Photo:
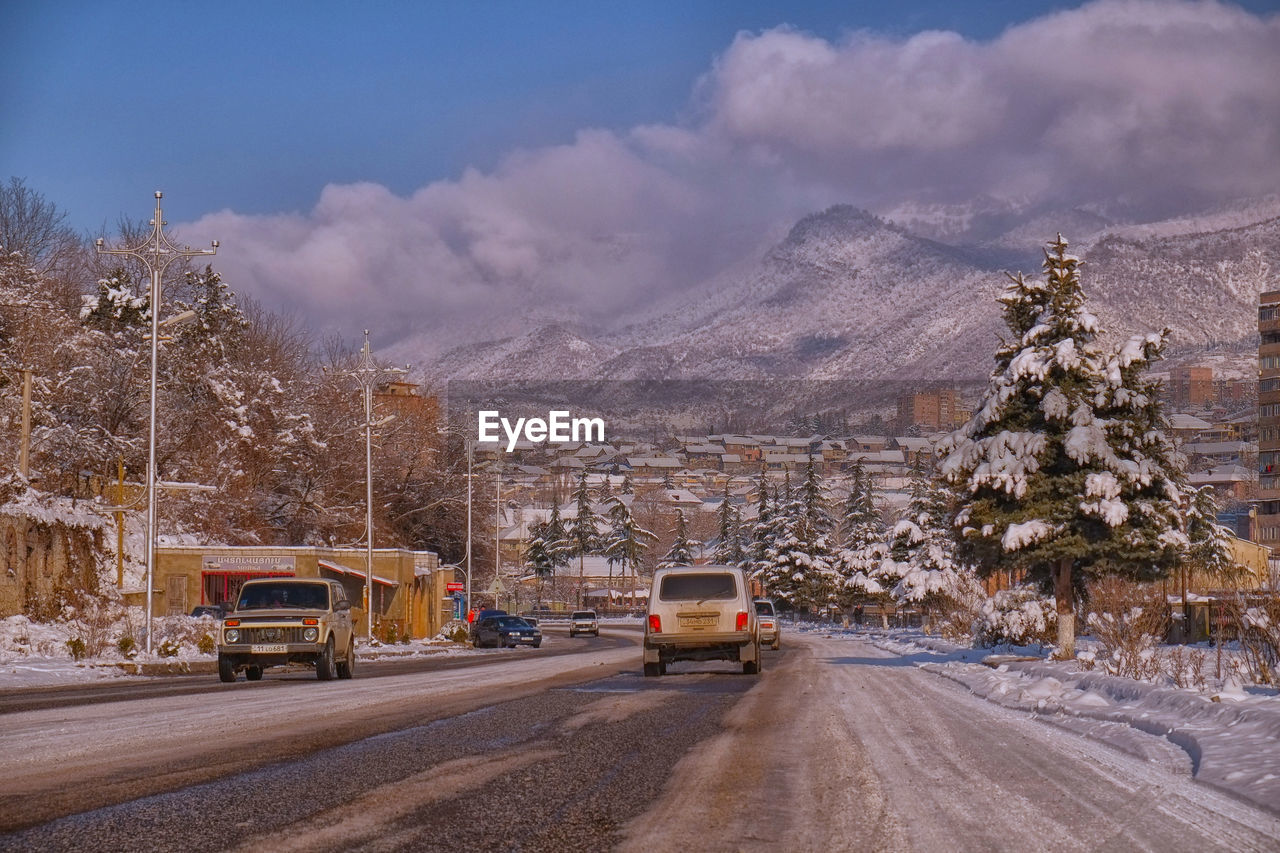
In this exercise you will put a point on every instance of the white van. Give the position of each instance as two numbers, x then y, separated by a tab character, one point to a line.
701	613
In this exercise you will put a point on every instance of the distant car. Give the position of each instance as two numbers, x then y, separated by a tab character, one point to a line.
770	630
507	632
532	620
584	622
213	611
280	621
701	613
482	615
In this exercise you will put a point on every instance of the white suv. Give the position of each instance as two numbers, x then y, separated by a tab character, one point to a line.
701	613
584	622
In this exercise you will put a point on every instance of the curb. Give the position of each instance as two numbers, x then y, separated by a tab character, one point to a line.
175	667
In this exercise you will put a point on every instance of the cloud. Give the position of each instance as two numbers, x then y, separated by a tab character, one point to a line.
1159	106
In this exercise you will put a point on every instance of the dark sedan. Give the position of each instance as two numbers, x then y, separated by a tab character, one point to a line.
506	631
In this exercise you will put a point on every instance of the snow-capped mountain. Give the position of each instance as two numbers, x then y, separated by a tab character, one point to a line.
849	295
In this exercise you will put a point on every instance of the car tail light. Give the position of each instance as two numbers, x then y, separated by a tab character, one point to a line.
310	621
741	624
655	623
231	623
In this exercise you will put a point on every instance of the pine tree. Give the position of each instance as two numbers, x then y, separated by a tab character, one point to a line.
1209	542
815	500
627	540
681	551
583	529
728	551
863	547
628	486
1059	472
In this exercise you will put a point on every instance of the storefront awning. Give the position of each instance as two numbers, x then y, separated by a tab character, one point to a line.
355	573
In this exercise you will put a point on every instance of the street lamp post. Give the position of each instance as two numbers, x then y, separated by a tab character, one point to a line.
468	549
156	252
369	373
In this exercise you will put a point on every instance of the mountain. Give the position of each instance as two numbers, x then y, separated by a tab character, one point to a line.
850	295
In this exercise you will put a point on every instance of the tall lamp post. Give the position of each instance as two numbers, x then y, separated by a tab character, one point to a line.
156	252
369	373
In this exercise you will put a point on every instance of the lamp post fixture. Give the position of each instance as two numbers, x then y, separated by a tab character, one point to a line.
156	252
369	373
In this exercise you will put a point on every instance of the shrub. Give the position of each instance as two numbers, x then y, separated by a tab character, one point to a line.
168	649
127	646
77	648
206	644
1128	620
1018	616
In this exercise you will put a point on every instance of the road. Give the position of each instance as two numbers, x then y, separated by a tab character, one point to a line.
837	746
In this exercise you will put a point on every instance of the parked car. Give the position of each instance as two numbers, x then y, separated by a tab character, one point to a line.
584	622
770	628
506	631
213	611
701	613
281	621
482	615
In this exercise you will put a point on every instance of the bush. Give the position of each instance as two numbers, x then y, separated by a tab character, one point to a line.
1017	617
77	648
1128	620
168	649
127	646
206	644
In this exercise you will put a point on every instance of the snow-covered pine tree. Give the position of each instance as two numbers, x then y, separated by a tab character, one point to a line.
921	566
626	541
863	539
583	529
728	550
681	551
628	485
1047	483
815	500
1209	548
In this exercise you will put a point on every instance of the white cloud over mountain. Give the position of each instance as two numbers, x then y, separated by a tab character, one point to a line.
1146	106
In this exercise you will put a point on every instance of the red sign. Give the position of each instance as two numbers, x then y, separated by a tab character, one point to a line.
455	586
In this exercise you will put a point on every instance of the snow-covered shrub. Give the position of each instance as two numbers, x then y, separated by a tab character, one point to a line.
1128	620
1185	667
1256	623
1018	616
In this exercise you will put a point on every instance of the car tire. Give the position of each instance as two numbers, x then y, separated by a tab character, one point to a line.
226	669
662	668
347	668
652	670
777	644
538	645
253	673
572	635
326	667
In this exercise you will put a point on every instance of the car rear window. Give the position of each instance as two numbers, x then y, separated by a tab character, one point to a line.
310	596
764	608
584	614
698	587
511	622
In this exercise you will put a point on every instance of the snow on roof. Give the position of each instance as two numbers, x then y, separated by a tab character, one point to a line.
1184	422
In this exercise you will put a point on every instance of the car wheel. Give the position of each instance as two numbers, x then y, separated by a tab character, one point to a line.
253	673
347	668
652	670
662	668
776	645
538	645
226	669
326	668
571	634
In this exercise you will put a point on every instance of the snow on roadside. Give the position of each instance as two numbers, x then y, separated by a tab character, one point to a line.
1232	737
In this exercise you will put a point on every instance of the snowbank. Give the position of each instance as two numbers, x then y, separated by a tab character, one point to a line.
1231	737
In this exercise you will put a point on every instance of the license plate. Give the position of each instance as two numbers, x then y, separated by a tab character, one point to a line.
269	650
697	621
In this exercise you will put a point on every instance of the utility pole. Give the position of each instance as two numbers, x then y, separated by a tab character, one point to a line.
156	252
468	549
368	373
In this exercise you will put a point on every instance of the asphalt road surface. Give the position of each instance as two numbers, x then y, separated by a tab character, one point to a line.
837	746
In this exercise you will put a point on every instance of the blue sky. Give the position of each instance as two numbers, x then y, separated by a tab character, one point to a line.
410	165
257	106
